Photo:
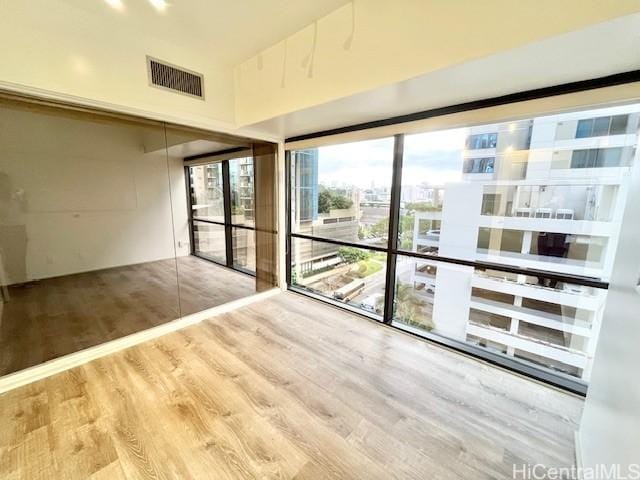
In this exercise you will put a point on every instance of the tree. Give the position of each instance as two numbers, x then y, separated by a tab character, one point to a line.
324	201
409	308
380	228
352	254
406	231
340	202
328	200
423	207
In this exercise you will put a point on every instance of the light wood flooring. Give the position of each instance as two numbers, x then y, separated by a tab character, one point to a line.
57	316
284	388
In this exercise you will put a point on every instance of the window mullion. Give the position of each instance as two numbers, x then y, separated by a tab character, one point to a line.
287	202
226	191
394	221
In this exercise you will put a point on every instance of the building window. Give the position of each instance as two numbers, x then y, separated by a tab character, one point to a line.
221	196
602	126
482	140
597	158
479	165
340	196
490	203
241	185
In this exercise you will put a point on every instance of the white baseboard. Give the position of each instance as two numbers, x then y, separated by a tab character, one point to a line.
66	362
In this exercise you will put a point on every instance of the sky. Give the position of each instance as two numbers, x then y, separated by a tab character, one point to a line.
434	157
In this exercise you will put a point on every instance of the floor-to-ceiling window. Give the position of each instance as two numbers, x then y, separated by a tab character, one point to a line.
340	216
222	214
495	238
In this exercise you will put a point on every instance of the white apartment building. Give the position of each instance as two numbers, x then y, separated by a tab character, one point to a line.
545	194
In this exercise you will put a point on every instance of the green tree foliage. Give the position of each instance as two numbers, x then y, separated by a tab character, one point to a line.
340	202
380	229
328	200
324	201
409	308
406	231
352	254
423	207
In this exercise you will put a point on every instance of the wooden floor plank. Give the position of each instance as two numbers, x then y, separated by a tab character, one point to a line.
284	388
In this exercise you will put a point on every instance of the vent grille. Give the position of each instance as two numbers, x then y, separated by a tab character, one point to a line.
176	79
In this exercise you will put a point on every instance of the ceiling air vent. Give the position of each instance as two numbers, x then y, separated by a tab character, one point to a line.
177	79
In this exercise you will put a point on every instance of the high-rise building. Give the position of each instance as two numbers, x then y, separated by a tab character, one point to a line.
545	194
334	223
306	191
242	187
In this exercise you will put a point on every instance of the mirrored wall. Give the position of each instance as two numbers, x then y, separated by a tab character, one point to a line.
98	235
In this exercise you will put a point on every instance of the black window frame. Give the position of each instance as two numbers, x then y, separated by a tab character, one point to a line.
393	250
227	223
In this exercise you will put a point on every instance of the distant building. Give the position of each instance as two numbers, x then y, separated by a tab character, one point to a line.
543	194
338	224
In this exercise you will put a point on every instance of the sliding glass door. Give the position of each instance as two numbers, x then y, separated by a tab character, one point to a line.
497	239
222	221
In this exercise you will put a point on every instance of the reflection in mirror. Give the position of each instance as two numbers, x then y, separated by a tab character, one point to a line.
86	239
215	221
108	228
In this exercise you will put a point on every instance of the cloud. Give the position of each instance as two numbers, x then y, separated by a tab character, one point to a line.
434	157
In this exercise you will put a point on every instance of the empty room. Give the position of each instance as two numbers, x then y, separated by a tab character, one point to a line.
319	239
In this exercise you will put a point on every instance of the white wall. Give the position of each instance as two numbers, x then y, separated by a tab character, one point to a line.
89	50
80	196
610	426
370	44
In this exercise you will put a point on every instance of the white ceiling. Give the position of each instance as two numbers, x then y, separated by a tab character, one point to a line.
231	31
600	50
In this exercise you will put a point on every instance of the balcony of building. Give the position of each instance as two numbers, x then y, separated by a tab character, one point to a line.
570	208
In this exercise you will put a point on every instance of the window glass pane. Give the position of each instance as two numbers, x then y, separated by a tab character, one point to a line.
609	157
580	159
355	276
584	128
209	241
343	191
537	320
241	183
533	203
244	249
601	126
619	124
207	199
